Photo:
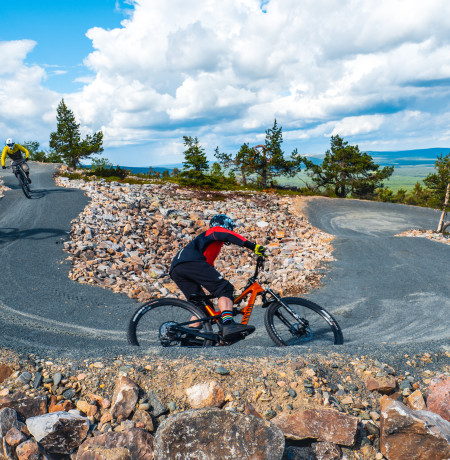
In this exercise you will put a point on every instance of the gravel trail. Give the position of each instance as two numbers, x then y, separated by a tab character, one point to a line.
390	294
386	290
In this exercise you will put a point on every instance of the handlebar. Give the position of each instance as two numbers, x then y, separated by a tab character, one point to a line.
259	266
18	163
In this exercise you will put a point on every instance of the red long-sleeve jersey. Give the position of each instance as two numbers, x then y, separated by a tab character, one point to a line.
207	246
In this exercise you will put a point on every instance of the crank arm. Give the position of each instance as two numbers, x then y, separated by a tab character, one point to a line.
193	332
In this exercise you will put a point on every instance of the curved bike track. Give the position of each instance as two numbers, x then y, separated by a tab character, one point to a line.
382	289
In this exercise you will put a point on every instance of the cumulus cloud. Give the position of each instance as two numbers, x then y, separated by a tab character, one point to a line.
223	70
26	107
226	69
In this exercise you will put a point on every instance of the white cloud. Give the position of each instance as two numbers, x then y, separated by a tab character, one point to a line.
350	126
223	70
27	109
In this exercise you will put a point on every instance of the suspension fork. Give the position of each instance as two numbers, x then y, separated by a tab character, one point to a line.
304	322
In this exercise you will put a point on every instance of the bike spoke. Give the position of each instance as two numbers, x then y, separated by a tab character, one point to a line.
166	322
302	321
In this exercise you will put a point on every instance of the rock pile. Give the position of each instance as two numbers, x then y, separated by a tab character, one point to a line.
126	237
430	234
258	408
3	188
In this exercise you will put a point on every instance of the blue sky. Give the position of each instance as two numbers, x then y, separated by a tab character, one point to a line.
59	27
147	72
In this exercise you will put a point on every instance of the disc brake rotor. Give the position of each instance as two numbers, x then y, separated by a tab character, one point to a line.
304	334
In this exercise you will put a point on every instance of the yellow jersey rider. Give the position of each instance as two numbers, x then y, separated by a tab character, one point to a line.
14	151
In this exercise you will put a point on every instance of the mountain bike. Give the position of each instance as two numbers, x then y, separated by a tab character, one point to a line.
288	320
22	177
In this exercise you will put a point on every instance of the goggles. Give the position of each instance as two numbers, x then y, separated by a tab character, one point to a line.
10	145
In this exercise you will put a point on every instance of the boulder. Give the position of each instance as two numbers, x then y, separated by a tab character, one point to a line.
143	419
28	450
25	407
124	398
14	437
439	399
212	434
54	406
157	407
406	434
326	451
8	420
321	424
5	372
383	385
105	453
250	410
208	394
59	432
138	442
415	401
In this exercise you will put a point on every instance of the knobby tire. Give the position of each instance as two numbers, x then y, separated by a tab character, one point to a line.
24	184
143	328
279	323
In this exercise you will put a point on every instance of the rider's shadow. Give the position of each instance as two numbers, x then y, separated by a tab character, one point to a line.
10	234
37	194
41	193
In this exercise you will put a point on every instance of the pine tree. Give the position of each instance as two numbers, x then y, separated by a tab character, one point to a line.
243	162
194	156
268	160
438	184
347	170
66	141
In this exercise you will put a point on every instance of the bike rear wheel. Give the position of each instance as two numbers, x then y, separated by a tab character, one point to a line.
152	323
285	330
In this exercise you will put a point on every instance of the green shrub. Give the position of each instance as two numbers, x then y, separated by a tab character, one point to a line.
400	196
109	172
193	178
385	194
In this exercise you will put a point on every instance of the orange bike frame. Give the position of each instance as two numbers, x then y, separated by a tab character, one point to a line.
253	290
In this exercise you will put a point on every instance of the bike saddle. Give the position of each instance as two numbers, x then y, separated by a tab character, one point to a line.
200	297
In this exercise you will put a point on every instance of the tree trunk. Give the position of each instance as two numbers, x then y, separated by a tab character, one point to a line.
444	211
244	179
340	191
264	177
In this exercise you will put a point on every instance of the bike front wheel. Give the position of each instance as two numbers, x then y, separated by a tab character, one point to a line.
302	322
24	184
153	323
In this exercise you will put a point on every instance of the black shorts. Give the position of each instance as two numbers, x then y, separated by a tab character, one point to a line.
190	277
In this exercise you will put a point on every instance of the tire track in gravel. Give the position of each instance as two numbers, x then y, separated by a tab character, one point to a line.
40	307
384	289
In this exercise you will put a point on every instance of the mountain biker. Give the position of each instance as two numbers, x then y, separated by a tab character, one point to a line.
193	268
14	151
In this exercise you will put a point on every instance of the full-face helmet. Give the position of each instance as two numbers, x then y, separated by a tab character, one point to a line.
10	143
221	220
